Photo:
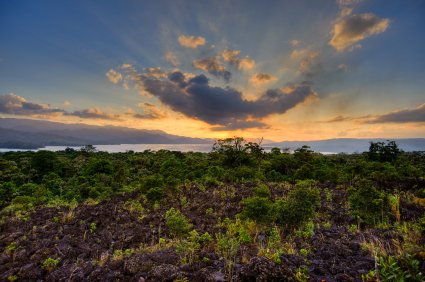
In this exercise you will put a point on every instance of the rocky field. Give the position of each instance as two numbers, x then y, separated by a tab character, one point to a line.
127	239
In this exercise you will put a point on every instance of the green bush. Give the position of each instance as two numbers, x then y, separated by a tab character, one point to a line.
368	203
212	182
155	194
177	223
399	269
173	185
420	193
150	182
261	191
257	209
299	207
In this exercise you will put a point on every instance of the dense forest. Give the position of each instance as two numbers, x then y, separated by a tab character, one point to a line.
233	214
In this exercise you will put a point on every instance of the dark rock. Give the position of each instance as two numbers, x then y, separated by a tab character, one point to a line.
165	257
138	263
30	271
165	273
262	269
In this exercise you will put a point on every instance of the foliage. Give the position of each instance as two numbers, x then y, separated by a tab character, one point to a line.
257	209
50	263
399	269
93	227
299	207
261	191
150	182
368	203
177	223
155	194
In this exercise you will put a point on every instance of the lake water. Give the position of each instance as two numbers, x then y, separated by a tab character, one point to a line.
205	148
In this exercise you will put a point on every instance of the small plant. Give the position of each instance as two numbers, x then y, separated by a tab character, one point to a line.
129	252
187	248
353	228
93	227
302	274
305	252
369	277
209	211
50	263
11	248
117	255
206	259
177	222
185	202
399	269
12	278
56	219
329	197
327	225
305	232
244	236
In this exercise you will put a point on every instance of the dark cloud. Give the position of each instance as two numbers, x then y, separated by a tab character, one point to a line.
312	66
15	105
213	66
402	116
339	118
222	106
94	113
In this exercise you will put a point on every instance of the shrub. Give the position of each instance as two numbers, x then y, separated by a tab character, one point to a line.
50	263
177	223
261	191
212	182
299	207
150	182
420	193
155	194
257	209
173	185
368	203
400	268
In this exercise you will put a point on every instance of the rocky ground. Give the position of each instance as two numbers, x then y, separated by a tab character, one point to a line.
86	253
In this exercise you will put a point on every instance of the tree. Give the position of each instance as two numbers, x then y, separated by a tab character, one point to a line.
45	162
256	151
378	151
233	149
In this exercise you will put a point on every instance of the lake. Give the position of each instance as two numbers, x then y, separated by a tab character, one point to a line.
205	148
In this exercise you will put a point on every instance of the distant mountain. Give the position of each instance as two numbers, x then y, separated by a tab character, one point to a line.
14	139
97	135
349	145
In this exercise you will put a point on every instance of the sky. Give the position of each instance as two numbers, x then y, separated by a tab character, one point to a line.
282	70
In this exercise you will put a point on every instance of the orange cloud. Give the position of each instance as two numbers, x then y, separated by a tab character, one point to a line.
261	78
191	41
232	58
114	76
172	58
355	28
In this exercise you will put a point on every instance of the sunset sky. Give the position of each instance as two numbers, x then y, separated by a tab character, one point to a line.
285	70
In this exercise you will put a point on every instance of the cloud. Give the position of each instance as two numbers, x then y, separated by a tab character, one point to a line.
348	2
15	105
344	12
114	76
125	66
343	66
233	59
151	72
338	118
191	41
355	28
240	125
172	58
224	106
311	66
66	103
298	53
213	66
294	42
151	112
95	113
400	116
351	49
261	78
